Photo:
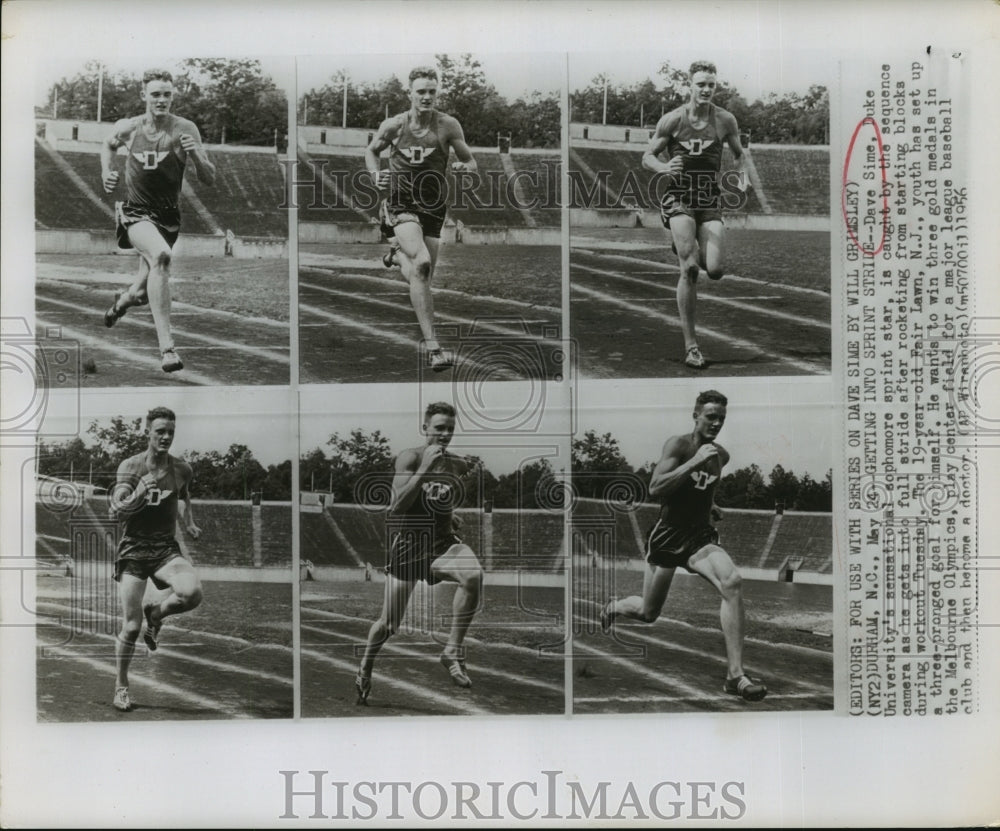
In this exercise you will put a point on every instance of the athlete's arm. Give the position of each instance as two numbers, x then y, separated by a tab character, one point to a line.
184	503
716	512
658	143
411	467
670	472
119	135
383	138
190	141
733	140
456	138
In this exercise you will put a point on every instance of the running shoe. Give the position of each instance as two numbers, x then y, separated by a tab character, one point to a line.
121	700
113	315
152	630
363	687
456	669
171	360
746	688
440	360
607	617
694	359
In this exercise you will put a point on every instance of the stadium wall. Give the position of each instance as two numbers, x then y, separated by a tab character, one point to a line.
334	574
72	241
633	218
340	232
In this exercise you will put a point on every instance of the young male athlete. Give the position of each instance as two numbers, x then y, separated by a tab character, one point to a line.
146	501
159	144
684	481
416	201
424	545
693	135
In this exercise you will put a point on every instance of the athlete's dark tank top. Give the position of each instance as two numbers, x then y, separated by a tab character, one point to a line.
156	519
153	173
701	149
422	160
691	503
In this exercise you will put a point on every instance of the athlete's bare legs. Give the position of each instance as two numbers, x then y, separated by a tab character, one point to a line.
459	565
417	256
715	565
146	239
396	599
647	608
130	592
185	589
683	230
711	236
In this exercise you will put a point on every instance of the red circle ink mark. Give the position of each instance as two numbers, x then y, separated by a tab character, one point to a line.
885	190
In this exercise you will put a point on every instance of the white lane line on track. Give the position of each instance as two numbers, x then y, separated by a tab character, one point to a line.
177	304
711	298
736	278
388	334
673	322
630	633
415	690
168	627
130	356
794	647
476	323
693	693
401	283
476	668
677	699
208	662
472	639
257	351
108	668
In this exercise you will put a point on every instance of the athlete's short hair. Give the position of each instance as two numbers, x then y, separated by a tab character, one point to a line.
159	412
709	397
438	408
702	66
423	72
156	75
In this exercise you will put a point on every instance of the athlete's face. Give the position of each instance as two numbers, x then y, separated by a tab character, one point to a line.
702	87
708	421
423	94
161	435
158	95
440	429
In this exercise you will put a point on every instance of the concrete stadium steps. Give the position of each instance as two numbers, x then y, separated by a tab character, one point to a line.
276	535
754	539
248	189
543	171
805	536
485	205
522	540
797	179
59	201
226	538
331	204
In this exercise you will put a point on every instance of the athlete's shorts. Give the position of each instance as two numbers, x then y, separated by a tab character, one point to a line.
431	224
701	206
414	549
143	559
670	547
166	220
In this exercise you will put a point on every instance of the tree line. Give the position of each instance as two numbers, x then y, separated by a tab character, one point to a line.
601	471
230	100
235	474
358	468
533	120
791	118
